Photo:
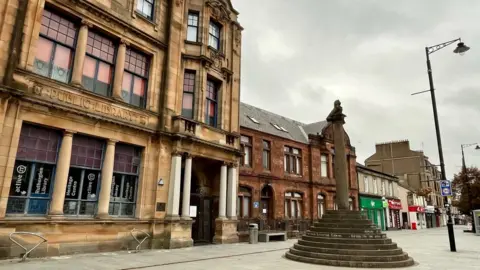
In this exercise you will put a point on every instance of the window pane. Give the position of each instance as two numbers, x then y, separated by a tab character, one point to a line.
43	56
298	165
41	181
147	10
90	184
136	62
192	33
129	184
187	105
324	166
266	159
292	208
16	205
100	47
245	139
116	188
286	208
238	206
61	64
285	162
87	208
20	179
246	206
138	95
73	183
140	5
102	84
126	86
193	19
127	209
247	156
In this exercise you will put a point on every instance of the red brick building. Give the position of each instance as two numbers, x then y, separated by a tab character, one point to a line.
286	175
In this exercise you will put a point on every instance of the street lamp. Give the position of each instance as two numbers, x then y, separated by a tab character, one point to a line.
464	169
461	49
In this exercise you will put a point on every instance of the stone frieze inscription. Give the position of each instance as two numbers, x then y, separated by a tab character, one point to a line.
91	105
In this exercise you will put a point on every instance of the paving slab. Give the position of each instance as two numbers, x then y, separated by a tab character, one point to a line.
429	248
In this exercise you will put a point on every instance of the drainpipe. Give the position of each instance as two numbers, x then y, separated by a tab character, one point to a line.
15	42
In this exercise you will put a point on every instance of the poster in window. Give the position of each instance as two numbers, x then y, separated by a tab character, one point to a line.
129	188
21	175
73	183
41	180
90	185
115	192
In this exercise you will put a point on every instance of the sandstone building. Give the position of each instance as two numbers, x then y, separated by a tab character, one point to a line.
286	175
119	114
415	170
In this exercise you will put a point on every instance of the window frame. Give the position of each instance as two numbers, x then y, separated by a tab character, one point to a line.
185	92
321	204
135	74
266	154
140	12
246	145
290	158
211	36
323	171
375	187
97	64
241	197
209	101
365	183
191	26
56	43
295	202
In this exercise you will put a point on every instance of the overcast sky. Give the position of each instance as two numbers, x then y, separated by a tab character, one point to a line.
299	56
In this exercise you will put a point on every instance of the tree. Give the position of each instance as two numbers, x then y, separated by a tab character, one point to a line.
466	187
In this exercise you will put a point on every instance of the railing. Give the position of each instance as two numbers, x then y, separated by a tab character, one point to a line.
140	242
289	225
27	251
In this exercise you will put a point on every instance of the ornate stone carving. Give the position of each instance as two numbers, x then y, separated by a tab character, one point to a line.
217	59
179	2
238	37
219	11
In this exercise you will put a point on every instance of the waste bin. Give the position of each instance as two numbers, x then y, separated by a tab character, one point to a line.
476	221
253	233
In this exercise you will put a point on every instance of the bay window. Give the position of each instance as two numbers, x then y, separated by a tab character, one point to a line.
125	180
98	66
293	205
55	47
33	172
212	106
246	147
135	78
292	160
188	94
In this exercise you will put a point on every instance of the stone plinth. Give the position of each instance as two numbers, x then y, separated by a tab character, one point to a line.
225	231
348	239
178	234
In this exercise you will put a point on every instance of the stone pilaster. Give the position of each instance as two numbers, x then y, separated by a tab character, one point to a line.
61	175
119	69
232	193
222	203
80	53
106	184
174	186
187	178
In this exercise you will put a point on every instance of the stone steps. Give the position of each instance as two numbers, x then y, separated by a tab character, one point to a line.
348	245
375	258
347	235
343	225
342	263
345	220
343	216
387	252
346	240
372	229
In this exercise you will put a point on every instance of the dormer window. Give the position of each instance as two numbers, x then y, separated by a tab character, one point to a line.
283	129
253	119
277	126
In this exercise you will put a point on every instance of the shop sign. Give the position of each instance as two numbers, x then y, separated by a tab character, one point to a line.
415	208
371	203
430	209
394	204
385	204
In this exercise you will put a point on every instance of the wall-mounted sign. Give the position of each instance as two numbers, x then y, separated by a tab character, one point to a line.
256	204
193	211
395	204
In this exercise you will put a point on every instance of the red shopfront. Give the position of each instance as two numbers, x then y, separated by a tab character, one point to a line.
395	206
417	217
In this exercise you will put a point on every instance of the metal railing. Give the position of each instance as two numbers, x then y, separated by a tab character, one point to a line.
140	242
300	225
27	251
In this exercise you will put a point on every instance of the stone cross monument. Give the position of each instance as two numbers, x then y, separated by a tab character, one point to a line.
337	118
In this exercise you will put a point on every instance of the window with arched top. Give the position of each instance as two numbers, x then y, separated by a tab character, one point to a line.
293	204
244	200
321	206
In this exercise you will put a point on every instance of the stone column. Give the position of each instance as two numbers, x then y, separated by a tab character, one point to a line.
80	54
119	67
106	183
337	118
187	178
174	186
222	203
61	175
232	193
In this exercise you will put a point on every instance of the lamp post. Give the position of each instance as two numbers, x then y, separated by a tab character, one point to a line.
461	49
464	169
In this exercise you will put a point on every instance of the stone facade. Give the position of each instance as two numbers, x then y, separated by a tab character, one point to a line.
268	186
96	137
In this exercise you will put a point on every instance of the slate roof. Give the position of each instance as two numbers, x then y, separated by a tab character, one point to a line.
296	131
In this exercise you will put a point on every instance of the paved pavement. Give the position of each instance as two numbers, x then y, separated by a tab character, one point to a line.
429	248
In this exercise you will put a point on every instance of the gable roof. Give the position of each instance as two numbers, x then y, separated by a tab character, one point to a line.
296	131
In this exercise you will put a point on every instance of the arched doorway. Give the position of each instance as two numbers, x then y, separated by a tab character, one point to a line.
266	202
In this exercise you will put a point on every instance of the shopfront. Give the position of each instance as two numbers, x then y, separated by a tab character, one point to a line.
374	208
430	216
394	207
417	217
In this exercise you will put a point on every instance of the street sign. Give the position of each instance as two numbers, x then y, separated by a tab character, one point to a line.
255	204
446	188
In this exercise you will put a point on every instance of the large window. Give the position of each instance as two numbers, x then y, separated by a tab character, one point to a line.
135	78
145	7
188	94
33	172
98	65
55	47
324	166
243	202
83	185
192	26
212	107
321	206
125	180
293	205
266	155
292	160
214	35
246	146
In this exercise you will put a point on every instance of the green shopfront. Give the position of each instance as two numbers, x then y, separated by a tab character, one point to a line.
374	208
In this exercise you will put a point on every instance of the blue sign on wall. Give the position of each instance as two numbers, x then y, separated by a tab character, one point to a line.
255	204
446	188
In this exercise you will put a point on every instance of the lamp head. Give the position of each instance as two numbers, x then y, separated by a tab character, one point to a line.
461	48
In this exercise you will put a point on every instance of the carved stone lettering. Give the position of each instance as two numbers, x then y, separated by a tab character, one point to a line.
91	105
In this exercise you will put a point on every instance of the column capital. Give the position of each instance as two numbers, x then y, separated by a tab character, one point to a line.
111	142
87	23
124	42
177	153
69	132
188	155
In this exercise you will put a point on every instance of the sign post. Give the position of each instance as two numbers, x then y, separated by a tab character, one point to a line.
446	188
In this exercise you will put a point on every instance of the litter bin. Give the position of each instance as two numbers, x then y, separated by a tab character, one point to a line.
253	233
476	221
